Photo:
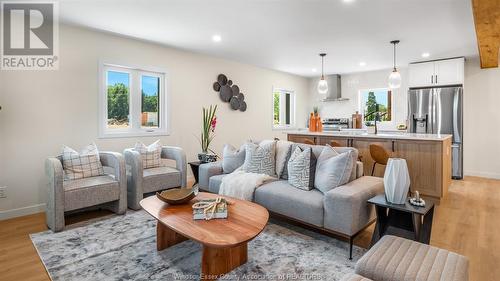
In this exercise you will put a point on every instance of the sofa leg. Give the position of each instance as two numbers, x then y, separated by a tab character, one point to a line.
350	247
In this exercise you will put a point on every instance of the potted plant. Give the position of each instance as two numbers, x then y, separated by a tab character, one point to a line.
207	134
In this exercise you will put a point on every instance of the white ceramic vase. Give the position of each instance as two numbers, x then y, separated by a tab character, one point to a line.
396	181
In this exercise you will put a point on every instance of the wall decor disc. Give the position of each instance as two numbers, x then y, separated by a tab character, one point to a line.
226	93
230	82
222	79
216	86
243	106
235	103
241	96
236	90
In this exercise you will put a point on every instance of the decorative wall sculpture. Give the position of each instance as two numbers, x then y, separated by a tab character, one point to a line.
229	92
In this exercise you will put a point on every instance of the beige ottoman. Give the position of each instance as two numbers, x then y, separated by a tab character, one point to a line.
398	259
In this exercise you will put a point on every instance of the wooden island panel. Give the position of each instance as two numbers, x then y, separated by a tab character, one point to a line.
429	161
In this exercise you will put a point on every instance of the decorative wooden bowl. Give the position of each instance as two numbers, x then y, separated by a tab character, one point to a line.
176	196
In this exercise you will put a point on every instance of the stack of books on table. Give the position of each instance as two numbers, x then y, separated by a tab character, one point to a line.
220	210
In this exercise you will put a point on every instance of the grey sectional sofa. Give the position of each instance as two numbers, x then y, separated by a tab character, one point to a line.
341	211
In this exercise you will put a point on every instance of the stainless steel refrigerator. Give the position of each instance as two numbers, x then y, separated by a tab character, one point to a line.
439	111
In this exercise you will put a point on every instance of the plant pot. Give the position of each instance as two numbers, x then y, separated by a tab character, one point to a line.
207	157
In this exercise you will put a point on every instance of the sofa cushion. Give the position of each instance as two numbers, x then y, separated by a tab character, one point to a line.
282	156
214	183
91	191
260	158
81	165
155	179
396	258
232	158
315	152
301	168
282	198
333	169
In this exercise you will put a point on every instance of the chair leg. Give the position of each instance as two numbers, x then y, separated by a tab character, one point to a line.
350	247
373	168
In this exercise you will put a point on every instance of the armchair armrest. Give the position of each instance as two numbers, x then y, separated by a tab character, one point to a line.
55	199
206	171
177	154
346	209
116	161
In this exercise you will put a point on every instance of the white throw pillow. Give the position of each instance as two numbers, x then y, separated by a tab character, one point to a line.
333	169
282	150
151	154
232	159
299	170
81	165
260	158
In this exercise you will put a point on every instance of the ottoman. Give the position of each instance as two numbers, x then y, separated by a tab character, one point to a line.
354	277
399	259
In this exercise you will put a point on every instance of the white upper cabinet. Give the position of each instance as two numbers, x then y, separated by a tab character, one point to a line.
437	73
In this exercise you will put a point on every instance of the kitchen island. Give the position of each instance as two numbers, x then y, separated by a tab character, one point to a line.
428	155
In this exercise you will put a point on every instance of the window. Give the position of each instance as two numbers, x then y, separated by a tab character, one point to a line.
375	100
132	102
283	109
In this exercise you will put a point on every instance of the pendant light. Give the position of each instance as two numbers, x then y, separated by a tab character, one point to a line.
395	76
322	84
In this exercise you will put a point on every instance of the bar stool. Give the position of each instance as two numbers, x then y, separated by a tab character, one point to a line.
335	144
308	141
379	155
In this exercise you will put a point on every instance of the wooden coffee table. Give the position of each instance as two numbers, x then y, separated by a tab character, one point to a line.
224	240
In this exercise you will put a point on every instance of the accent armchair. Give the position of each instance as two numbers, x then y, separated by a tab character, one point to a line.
108	190
145	181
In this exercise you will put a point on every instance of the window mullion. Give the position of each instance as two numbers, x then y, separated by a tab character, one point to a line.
135	101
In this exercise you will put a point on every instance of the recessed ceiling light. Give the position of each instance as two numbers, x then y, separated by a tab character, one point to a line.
362	63
425	55
216	38
314	70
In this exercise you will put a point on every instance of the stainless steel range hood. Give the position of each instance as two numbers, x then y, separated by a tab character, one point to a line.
334	89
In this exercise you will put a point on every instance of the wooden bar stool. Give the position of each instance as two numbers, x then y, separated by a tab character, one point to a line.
379	155
335	144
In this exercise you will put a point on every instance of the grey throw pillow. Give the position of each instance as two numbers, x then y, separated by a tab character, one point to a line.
282	155
284	174
260	158
232	159
333	169
299	168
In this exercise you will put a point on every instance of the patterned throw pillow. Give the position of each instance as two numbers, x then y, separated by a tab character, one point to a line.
260	158
151	154
81	165
333	169
299	168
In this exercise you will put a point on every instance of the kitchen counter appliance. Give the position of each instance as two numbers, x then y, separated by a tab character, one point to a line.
439	111
335	124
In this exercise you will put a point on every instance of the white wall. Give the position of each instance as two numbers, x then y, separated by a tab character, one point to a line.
350	85
481	120
42	110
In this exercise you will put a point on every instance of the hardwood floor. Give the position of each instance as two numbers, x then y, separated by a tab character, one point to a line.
467	222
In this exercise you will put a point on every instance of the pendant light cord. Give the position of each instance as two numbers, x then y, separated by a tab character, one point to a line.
394	55
322	72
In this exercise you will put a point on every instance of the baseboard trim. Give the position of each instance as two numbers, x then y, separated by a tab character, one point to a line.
483	174
24	211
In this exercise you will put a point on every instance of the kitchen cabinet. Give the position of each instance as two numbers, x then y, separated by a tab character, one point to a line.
437	73
303	138
328	140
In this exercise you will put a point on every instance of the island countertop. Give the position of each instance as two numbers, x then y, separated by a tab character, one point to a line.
381	135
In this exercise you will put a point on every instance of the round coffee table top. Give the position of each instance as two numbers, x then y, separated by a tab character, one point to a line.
245	220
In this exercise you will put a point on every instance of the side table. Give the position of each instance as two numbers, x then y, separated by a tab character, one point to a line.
195	166
404	219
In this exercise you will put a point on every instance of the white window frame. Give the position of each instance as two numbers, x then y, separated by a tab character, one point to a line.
135	100
292	124
361	105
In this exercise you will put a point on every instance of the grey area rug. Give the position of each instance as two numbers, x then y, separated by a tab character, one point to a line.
124	248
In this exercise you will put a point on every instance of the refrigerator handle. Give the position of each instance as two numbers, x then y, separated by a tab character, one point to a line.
456	132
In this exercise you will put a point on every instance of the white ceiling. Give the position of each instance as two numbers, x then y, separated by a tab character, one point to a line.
287	35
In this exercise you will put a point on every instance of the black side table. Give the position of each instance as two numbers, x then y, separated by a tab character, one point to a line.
195	166
406	220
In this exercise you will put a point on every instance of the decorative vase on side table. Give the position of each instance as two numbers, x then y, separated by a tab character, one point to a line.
396	181
207	135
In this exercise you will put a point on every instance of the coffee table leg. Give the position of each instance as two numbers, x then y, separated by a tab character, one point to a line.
165	237
218	261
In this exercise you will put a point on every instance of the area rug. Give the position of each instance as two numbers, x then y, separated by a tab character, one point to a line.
124	248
